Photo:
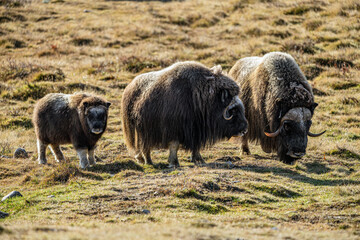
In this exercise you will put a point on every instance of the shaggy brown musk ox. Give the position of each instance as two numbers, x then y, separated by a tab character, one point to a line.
79	119
185	104
279	104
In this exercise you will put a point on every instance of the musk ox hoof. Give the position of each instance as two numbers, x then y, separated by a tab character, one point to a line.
139	158
173	165
42	161
84	164
199	162
246	151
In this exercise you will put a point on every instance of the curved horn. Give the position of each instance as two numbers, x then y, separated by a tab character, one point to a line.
277	132
225	113
316	134
234	102
274	134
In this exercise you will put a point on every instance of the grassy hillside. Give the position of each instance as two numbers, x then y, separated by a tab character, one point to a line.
99	46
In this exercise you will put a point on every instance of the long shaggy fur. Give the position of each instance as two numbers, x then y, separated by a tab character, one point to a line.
175	104
61	118
270	86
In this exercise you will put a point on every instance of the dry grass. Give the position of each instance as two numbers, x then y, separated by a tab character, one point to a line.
99	46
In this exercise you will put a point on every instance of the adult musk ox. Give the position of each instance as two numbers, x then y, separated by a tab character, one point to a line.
279	104
185	104
79	119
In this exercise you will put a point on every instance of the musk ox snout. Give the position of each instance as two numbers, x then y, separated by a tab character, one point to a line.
96	119
235	112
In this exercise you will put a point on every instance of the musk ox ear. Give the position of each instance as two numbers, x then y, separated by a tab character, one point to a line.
313	106
108	104
216	69
86	104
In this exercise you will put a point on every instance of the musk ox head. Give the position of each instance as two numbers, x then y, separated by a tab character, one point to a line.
292	133
95	113
227	110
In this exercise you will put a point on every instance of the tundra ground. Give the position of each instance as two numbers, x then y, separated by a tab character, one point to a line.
99	46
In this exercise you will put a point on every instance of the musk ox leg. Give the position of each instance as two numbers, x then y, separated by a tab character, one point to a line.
82	153
147	157
245	146
197	158
91	155
173	159
56	151
139	158
41	151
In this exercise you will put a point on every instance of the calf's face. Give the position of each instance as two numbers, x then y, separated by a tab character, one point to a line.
96	118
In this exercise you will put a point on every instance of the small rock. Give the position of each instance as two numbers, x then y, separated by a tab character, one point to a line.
46	1
51	196
20	153
274	228
11	195
3	214
230	164
86	11
146	211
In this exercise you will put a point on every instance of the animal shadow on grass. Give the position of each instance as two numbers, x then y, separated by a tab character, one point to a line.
298	176
317	168
116	167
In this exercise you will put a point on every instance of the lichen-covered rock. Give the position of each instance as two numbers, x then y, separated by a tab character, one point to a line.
11	195
3	214
20	153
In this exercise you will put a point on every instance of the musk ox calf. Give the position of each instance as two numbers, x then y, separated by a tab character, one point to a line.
279	104
185	104
79	119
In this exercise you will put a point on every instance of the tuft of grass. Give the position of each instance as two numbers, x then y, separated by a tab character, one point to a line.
190	193
343	153
82	41
136	65
13	3
207	208
184	20
12	43
116	167
343	85
298	10
57	75
350	101
17	122
302	9
302	47
311	71
27	91
312	25
333	62
13	69
275	190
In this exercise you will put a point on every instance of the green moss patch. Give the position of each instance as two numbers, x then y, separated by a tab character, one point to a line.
17	122
56	76
275	190
344	153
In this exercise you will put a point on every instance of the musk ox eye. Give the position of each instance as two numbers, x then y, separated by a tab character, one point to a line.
224	95
287	126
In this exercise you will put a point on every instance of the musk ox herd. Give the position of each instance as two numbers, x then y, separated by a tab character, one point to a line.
266	100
